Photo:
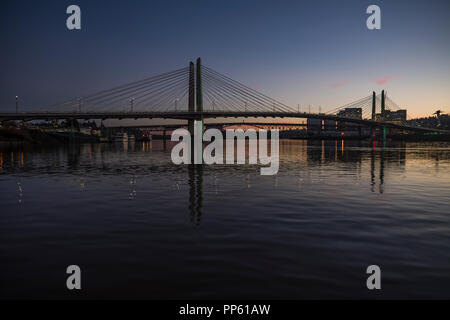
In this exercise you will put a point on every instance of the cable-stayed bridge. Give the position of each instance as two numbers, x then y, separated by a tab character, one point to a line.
197	93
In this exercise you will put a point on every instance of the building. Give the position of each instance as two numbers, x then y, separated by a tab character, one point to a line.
392	116
353	113
329	125
314	126
395	116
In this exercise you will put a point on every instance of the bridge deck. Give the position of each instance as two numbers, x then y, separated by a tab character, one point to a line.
185	115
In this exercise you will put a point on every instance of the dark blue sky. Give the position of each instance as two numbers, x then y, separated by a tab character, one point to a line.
307	52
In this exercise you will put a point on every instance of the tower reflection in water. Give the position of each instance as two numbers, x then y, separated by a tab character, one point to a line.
320	152
195	173
372	171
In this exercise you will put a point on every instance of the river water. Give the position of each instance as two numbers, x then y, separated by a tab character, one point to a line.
141	227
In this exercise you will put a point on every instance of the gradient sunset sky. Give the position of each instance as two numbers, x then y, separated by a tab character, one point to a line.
299	52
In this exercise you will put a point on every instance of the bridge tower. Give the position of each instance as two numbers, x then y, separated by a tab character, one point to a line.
374	105
191	105
199	95
198	149
195	100
374	110
383	112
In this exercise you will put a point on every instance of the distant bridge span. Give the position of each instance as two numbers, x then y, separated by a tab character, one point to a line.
173	126
189	115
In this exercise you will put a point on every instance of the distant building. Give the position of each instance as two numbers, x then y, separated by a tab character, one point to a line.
314	126
396	116
393	116
329	125
353	113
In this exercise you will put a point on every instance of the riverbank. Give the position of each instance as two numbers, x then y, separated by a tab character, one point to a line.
37	136
408	138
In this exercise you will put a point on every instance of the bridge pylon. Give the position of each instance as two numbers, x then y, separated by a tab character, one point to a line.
191	105
383	112
374	110
195	100
374	105
199	96
199	99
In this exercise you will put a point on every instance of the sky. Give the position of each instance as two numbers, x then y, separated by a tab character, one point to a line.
317	53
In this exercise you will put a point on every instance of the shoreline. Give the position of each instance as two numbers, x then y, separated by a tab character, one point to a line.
36	136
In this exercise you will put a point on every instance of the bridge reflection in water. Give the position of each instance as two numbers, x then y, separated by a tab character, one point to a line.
326	151
195	172
309	160
322	152
128	210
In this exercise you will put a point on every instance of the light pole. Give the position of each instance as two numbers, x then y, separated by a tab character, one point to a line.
132	103
17	104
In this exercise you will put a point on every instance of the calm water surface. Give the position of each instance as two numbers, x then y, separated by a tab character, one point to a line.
141	227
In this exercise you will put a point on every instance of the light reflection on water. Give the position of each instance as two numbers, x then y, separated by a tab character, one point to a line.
140	226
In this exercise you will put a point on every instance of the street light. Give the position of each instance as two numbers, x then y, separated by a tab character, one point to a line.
17	104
